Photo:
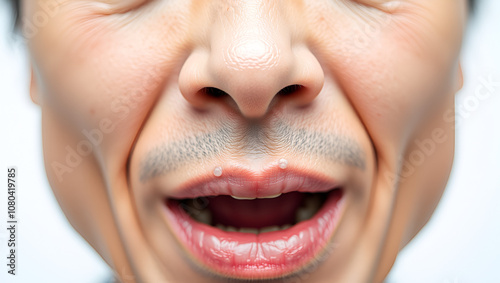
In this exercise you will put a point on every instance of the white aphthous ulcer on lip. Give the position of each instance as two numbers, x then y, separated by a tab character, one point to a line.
218	171
283	163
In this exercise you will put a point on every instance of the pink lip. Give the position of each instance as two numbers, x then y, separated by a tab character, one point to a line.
245	183
256	256
262	256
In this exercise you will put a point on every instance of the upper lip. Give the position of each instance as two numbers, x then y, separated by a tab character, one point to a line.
244	183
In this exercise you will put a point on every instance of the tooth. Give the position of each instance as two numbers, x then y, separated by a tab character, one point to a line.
269	229
231	229
204	216
284	227
220	226
249	230
242	198
273	196
303	214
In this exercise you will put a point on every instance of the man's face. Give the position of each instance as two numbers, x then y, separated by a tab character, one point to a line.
154	112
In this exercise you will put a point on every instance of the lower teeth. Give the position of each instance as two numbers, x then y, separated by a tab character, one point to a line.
310	206
253	230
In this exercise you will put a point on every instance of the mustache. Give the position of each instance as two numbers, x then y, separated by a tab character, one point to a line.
173	155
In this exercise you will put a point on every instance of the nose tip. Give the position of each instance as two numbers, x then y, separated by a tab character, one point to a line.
251	72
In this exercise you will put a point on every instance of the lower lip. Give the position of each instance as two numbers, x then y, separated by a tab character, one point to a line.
263	256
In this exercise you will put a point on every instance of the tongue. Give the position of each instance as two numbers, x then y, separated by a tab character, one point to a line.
257	213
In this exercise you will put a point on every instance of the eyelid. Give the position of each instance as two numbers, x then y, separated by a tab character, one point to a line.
388	6
119	6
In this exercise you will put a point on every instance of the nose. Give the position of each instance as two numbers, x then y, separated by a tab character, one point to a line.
250	60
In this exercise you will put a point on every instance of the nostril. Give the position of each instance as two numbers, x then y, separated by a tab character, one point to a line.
291	89
214	92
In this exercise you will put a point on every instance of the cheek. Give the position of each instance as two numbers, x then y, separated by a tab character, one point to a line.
394	68
109	69
394	91
107	95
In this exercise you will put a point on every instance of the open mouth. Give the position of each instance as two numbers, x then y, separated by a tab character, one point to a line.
257	216
259	235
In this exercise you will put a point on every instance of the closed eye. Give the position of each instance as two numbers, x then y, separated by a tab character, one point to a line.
383	5
120	6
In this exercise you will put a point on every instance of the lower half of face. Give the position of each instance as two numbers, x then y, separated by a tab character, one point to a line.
210	141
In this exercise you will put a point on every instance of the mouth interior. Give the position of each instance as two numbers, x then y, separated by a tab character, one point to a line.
256	215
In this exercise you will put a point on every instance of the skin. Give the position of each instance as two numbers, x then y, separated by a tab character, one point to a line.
375	110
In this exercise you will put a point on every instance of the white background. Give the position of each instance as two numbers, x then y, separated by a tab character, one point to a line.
461	243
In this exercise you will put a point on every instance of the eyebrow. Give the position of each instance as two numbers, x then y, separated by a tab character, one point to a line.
15	4
173	155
